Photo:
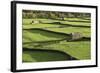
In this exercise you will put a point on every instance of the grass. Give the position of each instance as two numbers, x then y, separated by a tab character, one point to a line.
39	39
28	21
84	31
78	19
79	50
38	35
77	23
39	26
42	56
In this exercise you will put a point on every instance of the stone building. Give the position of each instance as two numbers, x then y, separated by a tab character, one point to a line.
35	22
76	36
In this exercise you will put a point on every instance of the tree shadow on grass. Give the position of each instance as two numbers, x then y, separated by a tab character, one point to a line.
42	55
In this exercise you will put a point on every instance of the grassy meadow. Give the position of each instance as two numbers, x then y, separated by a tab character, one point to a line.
48	39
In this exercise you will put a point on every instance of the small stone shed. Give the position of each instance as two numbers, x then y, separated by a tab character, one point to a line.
76	35
35	22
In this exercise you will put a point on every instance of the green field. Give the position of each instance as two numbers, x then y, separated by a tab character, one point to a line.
44	55
52	35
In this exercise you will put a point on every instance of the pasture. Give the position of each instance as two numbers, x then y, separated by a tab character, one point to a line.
51	39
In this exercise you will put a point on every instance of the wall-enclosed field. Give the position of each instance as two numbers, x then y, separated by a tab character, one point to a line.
47	36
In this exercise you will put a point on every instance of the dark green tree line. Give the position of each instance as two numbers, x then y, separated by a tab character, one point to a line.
53	15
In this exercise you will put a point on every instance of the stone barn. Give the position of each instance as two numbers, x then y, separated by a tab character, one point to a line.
35	22
76	36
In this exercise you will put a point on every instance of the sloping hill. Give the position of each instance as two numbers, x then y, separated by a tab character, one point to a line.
48	40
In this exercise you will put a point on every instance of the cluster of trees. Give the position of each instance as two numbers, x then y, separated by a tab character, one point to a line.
53	14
